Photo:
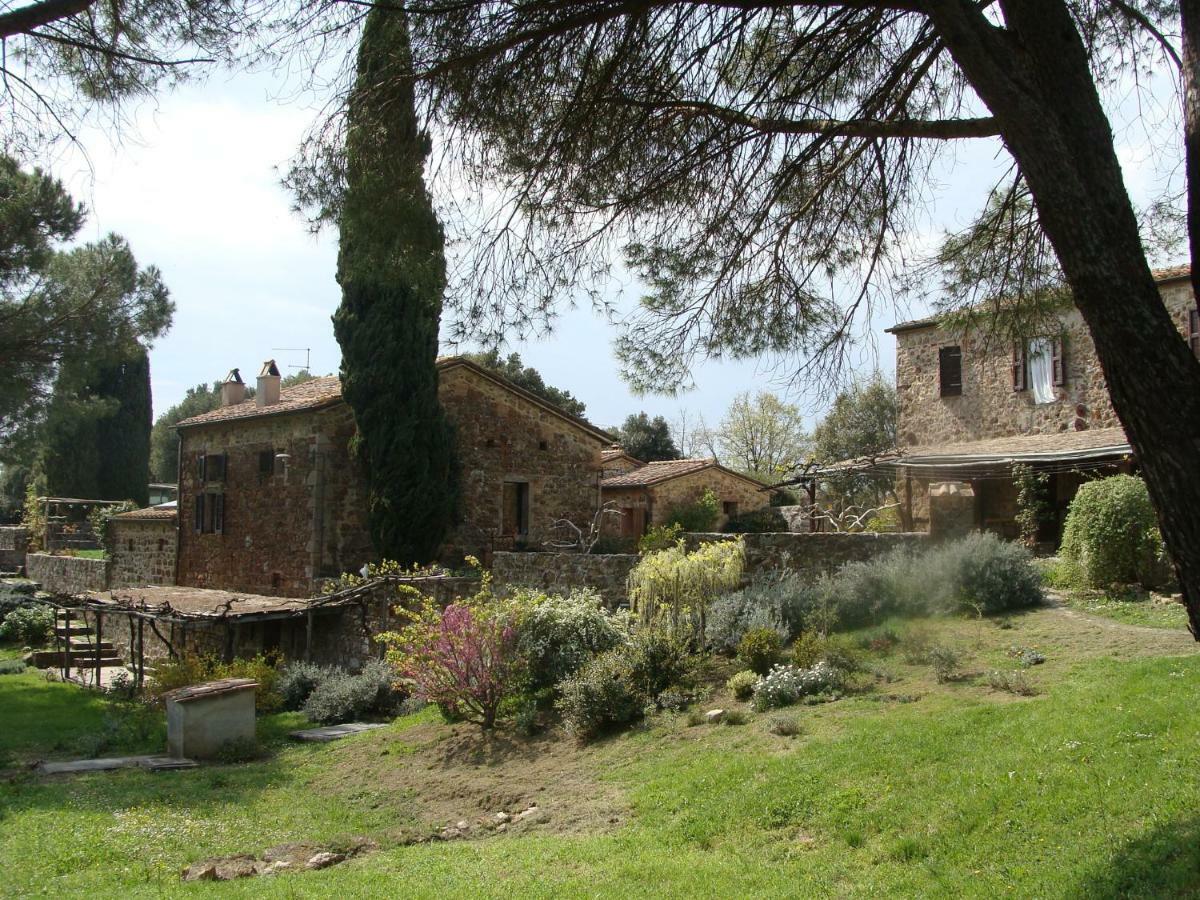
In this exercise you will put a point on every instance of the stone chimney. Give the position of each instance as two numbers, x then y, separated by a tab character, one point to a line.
233	389
268	385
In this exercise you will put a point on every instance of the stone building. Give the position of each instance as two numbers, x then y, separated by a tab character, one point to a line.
972	406
141	547
271	500
646	495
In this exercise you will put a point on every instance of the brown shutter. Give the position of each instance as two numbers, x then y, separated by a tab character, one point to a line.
199	518
218	513
950	371
201	467
1019	367
1194	331
1057	364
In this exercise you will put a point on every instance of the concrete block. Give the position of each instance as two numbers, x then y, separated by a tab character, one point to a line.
203	718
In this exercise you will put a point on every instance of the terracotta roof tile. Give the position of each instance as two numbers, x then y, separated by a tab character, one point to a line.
1026	445
150	513
311	394
665	470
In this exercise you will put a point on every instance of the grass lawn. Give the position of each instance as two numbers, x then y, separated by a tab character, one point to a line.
903	787
1151	611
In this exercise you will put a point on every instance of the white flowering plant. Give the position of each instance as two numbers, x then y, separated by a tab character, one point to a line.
785	685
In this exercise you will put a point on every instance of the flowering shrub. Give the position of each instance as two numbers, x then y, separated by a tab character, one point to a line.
464	658
785	685
600	696
556	636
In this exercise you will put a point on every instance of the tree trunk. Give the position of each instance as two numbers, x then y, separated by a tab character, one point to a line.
1034	76
1189	13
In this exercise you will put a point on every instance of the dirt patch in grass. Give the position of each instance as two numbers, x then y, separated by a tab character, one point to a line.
450	774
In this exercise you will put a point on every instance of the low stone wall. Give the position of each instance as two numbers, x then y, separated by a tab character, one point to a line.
142	551
812	553
14	543
561	572
67	575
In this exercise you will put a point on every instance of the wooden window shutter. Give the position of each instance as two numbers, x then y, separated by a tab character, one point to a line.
201	467
950	371
1058	365
199	514
1194	331
1019	367
218	513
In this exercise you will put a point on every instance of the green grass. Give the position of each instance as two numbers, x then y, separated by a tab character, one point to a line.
89	554
1148	611
1088	789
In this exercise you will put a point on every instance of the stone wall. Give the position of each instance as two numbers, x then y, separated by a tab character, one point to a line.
142	551
67	575
988	406
812	554
562	572
503	437
286	527
14	543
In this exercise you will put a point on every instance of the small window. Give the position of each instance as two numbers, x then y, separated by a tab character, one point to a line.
210	513
1194	331
543	445
729	508
162	544
489	443
266	462
950	371
199	514
129	545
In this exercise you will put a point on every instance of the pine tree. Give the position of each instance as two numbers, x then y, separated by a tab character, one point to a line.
392	270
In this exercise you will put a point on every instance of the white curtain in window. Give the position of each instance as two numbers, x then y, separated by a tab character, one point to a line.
1041	371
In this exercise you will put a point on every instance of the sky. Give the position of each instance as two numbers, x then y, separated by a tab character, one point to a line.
194	185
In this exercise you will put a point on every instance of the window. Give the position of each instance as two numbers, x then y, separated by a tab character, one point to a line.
215	467
515	514
266	462
1039	366
729	508
201	467
1194	331
950	371
633	521
543	445
210	514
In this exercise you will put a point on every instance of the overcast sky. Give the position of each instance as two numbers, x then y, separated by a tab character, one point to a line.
194	186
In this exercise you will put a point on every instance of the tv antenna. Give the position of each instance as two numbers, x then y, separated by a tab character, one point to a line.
307	351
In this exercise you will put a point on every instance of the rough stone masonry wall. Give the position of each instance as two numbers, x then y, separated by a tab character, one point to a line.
283	530
563	572
67	575
501	436
142	551
989	407
14	543
812	554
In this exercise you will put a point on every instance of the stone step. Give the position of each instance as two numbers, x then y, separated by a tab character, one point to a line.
88	645
53	659
65	631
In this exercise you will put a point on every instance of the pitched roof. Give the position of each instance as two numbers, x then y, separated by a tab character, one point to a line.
326	390
664	470
1161	276
149	514
315	393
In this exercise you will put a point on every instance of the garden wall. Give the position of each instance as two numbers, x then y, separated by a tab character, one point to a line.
142	551
14	542
67	575
812	553
561	572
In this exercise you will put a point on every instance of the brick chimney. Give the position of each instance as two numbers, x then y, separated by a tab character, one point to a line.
233	389
268	385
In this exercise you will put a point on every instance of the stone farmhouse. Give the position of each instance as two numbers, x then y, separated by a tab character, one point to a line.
970	409
646	494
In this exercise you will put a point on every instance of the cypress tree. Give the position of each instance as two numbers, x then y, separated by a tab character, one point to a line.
123	436
392	271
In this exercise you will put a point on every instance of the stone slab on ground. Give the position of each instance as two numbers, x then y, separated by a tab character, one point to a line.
333	732
153	763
